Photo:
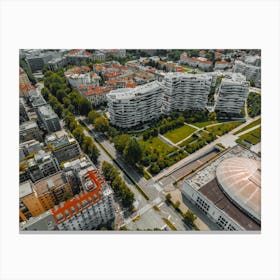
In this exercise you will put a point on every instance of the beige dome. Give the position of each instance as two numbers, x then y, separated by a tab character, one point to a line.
240	179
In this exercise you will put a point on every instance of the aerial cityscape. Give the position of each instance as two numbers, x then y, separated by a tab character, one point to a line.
140	140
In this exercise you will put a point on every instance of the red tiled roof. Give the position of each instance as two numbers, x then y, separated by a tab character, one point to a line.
90	197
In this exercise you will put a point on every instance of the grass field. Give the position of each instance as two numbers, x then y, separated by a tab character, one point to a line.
155	144
180	133
253	137
203	124
252	124
223	128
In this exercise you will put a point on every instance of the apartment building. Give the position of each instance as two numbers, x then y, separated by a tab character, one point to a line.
129	107
251	72
29	203
90	209
23	78
197	62
42	165
185	91
29	147
23	117
52	190
48	118
232	94
28	131
37	61
57	62
95	95
63	146
81	76
76	57
72	170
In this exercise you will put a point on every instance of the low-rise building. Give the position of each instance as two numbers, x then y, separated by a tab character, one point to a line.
228	190
23	116
76	57
199	62
42	222
23	78
28	131
48	118
130	107
30	147
63	146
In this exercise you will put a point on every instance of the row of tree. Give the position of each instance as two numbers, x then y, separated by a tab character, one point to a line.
129	148
254	104
120	188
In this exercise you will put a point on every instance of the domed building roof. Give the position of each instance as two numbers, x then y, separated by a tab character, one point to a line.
240	179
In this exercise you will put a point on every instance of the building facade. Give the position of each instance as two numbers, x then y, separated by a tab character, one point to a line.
90	209
28	131
185	91
232	94
63	146
129	107
48	118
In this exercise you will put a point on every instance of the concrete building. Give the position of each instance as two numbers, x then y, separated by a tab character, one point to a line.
88	210
129	107
95	95
28	131
63	146
29	204
222	65
78	76
76	57
228	190
48	118
52	190
185	91
57	62
23	117
42	165
30	147
23	78
232	94
251	72
72	171
36	62
196	62
42	222
36	99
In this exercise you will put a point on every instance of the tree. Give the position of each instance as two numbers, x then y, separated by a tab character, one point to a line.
116	184
189	217
93	152
133	151
177	204
127	196
168	197
78	133
110	173
87	143
212	116
84	106
101	124
92	115
120	142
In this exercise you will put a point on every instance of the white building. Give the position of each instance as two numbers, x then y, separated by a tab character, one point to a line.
129	107
228	190
251	72
185	91
88	210
232	94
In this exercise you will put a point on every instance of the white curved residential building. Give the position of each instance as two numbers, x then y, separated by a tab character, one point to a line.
232	94
185	91
129	107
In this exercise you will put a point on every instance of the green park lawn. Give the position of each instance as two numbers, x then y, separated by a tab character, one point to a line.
203	124
252	124
253	137
155	144
223	128
179	134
